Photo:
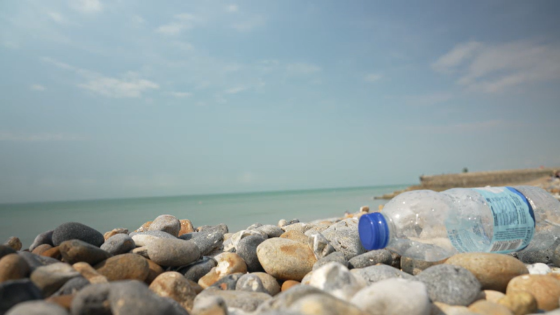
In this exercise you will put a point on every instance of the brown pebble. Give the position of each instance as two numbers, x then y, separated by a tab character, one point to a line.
87	271
364	209
53	253
493	296
297	236
144	227
124	267
155	270
14	243
41	249
107	235
63	300
228	264
174	285
484	307
186	227
197	288
288	284
545	289
13	267
520	302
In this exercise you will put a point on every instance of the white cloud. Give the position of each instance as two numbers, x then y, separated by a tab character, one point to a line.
235	90
38	87
182	22
302	68
119	88
494	68
373	77
181	94
39	137
87	6
232	8
249	24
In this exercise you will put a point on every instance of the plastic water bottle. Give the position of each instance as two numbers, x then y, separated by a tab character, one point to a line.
432	226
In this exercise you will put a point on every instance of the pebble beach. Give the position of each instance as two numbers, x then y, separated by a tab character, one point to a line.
171	266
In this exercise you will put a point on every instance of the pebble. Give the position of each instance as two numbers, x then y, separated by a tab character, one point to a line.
134	297
50	278
371	258
377	273
226	264
72	286
186	227
41	249
556	256
415	266
519	302
269	282
89	273
114	232
228	282
233	241
540	255
450	284
37	308
394	296
323	304
118	244
14	243
166	223
74	230
208	240
196	270
142	251
270	230
154	271
65	301
124	267
493	271
321	246
283	222
74	251
145	238
251	283
336	279
36	261
174	285
209	305
333	257
344	237
247	249
484	307
493	296
297	236
285	299
13	292
544	288
288	284
297	226
220	227
439	308
6	250
285	259
13	267
539	269
246	301
53	253
92	300
143	228
173	252
43	238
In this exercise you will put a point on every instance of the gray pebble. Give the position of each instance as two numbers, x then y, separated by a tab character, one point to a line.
220	227
74	251
414	266
208	240
228	282
198	269
92	300
118	244
74	230
377	273
166	223
36	261
246	301
251	283
51	277
72	286
6	250
209	304
254	226
270	230
43	238
344	237
286	298
556	257
450	284
134	297
13	292
336	257
172	252
247	249
37	308
371	258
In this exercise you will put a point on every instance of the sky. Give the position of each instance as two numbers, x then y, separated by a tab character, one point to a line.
122	98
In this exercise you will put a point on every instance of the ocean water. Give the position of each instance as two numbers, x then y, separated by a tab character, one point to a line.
26	220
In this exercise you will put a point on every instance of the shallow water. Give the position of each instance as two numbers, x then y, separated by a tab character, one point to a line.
238	211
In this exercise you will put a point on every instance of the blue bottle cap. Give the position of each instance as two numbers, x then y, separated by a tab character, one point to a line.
373	230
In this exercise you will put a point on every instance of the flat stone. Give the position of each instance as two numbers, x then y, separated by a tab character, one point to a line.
210	305
74	251
166	223
124	267
344	237
333	257
415	266
377	273
246	301
227	264
6	250
228	282
450	284
250	283
74	230
145	238
247	249
37	308
336	280
13	267
186	227
394	297
269	282
87	271
43	238
485	307
72	286
197	269
13	292
323	304
520	302
285	259
173	252
113	232
92	300
371	258
544	288
174	285
51	277
14	243
118	244
41	249
493	271
270	230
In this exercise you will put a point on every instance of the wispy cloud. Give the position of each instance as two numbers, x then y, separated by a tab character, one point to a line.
39	137
232	8
494	68
373	77
302	68
249	24
235	90
87	6
181	94
181	22
38	87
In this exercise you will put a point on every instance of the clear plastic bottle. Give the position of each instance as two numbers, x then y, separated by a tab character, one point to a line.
432	226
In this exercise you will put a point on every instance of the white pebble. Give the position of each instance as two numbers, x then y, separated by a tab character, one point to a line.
539	269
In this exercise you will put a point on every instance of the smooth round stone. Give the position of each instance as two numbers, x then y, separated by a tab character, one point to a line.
394	297
13	267
414	266
247	249
371	258
173	252
251	283
134	297
297	226
92	300
53	253
544	288
50	278
41	249
64	301
145	238
269	282
377	273
14	243
210	305
296	235
118	244
344	237
493	271
186	227
520	302
198	269
154	271
332	257
74	230
74	251
221	227
246	301
335	279
539	269
283	222
288	284
270	230
227	264
488	308
450	284
493	296
124	267
166	223
89	273
285	259
72	286
233	241
142	251
43	238
37	308
13	292
174	285
439	308
323	304
228	282
36	261
208	240
113	232
6	250
143	228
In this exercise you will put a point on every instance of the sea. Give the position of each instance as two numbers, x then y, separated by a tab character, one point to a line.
236	210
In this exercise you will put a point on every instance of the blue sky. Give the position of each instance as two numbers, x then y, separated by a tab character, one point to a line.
106	99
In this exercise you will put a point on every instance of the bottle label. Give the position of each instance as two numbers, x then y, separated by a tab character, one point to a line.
514	223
